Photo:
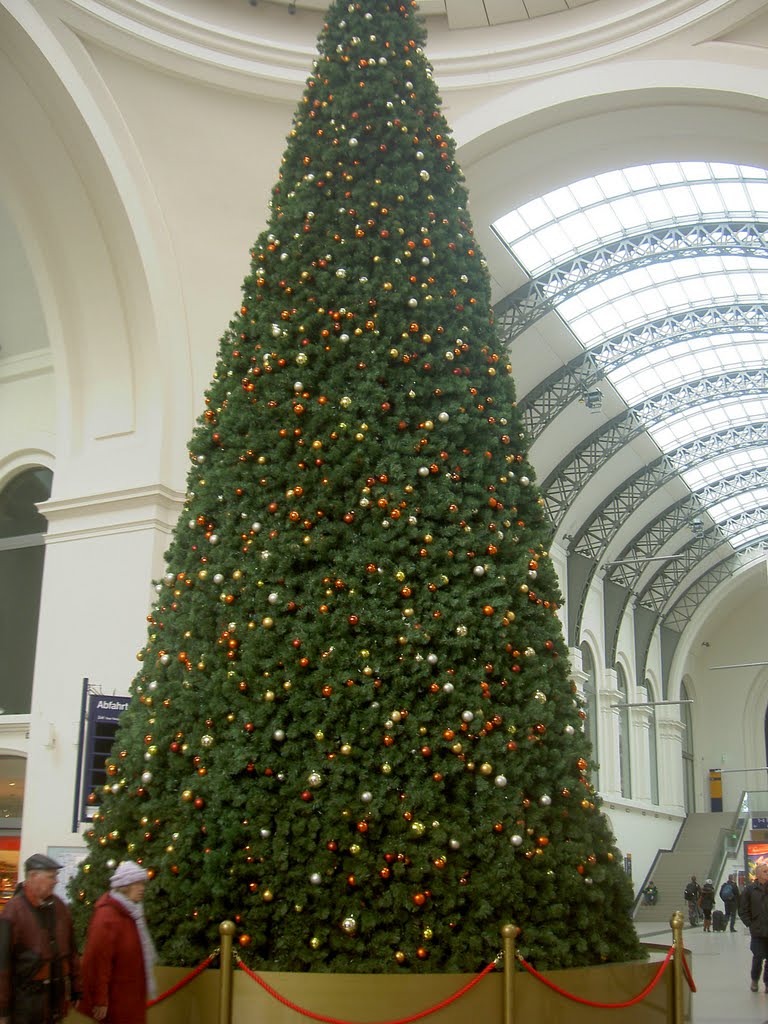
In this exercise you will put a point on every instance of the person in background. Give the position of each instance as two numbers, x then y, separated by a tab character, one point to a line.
119	956
39	963
691	896
753	911
729	894
651	894
707	902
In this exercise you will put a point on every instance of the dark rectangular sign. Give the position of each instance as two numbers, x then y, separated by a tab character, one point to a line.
103	718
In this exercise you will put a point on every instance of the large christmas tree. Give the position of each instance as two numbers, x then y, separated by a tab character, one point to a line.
353	730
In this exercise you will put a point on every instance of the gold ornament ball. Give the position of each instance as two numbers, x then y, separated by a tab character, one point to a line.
314	942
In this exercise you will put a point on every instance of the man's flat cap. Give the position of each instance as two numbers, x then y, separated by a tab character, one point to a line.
39	862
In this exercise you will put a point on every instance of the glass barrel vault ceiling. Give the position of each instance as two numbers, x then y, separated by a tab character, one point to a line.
562	225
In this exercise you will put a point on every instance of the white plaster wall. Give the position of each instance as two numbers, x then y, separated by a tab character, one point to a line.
27	413
641	833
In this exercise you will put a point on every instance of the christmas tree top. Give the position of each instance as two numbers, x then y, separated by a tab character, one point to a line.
353	730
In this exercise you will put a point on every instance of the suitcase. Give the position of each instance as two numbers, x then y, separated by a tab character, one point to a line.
718	921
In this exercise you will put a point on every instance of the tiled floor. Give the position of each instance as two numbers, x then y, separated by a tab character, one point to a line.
721	963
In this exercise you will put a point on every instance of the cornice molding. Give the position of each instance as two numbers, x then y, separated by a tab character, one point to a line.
245	48
92	515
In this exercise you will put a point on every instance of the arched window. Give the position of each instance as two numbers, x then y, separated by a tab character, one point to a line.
653	753
625	770
689	781
590	706
21	572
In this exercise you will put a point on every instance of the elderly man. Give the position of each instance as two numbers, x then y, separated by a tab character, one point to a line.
39	965
753	911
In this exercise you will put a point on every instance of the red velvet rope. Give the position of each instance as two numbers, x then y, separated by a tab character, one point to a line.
184	981
688	975
334	1020
602	1006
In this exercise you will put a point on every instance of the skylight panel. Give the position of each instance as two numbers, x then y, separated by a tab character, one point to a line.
708	199
665	174
682	427
650	292
613	184
657	207
640	178
751	536
736	199
588	192
741	460
738	503
630	212
605	222
696	171
561	202
531	254
758	195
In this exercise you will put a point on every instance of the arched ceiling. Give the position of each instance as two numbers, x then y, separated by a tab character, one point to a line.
659	273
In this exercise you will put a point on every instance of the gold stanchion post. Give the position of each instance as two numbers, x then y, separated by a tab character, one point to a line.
508	934
677	967
226	931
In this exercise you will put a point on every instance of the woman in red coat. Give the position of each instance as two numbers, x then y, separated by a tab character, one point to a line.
119	958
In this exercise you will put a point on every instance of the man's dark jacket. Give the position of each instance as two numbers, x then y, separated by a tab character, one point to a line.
753	910
39	965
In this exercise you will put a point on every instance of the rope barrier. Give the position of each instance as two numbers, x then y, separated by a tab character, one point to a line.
602	1006
334	1020
688	975
184	981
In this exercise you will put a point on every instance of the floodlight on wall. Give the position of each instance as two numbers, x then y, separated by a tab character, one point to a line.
593	400
292	7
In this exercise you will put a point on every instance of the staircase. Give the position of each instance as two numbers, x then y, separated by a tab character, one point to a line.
691	855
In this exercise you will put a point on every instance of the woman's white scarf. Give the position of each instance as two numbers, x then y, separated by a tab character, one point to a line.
136	910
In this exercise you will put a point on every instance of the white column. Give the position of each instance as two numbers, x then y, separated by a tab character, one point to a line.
669	749
640	723
609	694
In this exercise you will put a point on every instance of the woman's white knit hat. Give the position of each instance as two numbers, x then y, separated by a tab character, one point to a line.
126	874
